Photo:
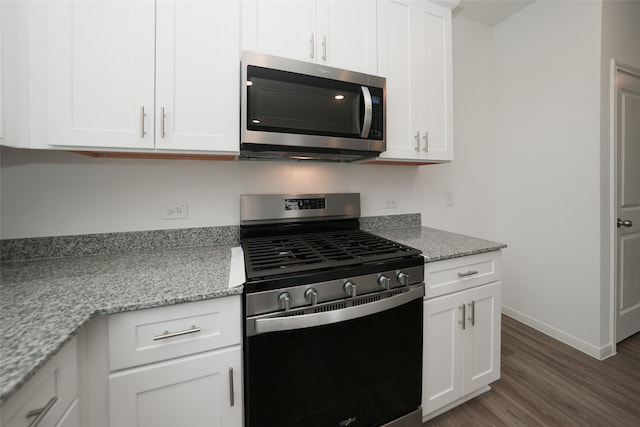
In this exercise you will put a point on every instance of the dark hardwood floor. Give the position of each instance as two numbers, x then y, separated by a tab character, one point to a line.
546	383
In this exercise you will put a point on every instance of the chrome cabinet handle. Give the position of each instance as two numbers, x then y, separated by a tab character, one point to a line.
324	48
417	141
624	223
162	116
468	273
231	399
41	412
142	132
168	334
463	322
472	304
312	42
426	142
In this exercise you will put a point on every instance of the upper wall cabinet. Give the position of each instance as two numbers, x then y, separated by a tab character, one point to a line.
134	75
415	54
340	34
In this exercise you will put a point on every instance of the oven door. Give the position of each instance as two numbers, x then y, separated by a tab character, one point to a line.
354	366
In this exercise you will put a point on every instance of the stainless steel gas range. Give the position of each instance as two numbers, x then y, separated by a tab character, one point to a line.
333	316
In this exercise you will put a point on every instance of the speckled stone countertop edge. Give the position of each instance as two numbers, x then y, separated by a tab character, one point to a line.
15	386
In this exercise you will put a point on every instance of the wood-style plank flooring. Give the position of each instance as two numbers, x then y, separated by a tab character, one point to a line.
546	383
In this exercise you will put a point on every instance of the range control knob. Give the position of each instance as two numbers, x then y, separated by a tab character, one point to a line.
403	278
350	288
311	295
285	301
384	282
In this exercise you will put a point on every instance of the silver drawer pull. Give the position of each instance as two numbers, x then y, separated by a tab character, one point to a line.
468	273
41	412
168	334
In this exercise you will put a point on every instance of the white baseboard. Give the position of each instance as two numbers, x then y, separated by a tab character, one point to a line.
599	353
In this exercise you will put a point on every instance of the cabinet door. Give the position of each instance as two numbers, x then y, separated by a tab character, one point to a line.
280	27
435	93
100	72
190	391
397	63
197	78
482	338
347	35
50	393
442	380
415	52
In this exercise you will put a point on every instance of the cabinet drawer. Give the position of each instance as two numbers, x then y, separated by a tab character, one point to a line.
52	390
457	274
155	334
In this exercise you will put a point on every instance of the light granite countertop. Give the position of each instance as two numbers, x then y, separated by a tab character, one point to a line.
45	302
437	245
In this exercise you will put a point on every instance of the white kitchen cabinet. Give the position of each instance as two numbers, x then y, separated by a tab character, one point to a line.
340	34
415	55
51	395
199	390
177	365
461	344
134	75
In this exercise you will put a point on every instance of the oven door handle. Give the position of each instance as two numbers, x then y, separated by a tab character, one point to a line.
288	323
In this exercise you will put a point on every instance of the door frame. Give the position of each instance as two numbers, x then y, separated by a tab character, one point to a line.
616	66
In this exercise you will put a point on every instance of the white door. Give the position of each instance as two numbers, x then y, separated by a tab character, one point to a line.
415	55
482	340
280	27
197	76
189	391
100	72
442	381
627	118
347	35
436	121
396	58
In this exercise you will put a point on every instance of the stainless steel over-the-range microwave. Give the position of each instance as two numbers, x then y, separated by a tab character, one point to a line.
304	111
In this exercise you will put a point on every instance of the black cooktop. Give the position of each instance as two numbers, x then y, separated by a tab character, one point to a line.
320	256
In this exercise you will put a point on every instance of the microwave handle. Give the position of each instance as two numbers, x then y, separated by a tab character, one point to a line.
368	112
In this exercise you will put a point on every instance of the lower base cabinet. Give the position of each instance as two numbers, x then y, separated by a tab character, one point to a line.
461	346
199	390
50	398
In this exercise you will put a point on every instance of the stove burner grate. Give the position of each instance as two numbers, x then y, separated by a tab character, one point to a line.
270	256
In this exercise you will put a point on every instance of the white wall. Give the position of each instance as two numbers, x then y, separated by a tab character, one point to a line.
471	176
547	74
48	193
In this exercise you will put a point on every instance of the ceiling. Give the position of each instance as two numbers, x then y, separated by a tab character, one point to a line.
490	12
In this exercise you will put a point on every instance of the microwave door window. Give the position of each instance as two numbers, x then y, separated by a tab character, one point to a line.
303	108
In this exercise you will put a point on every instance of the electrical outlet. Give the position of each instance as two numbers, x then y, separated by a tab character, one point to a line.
449	198
391	202
174	211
